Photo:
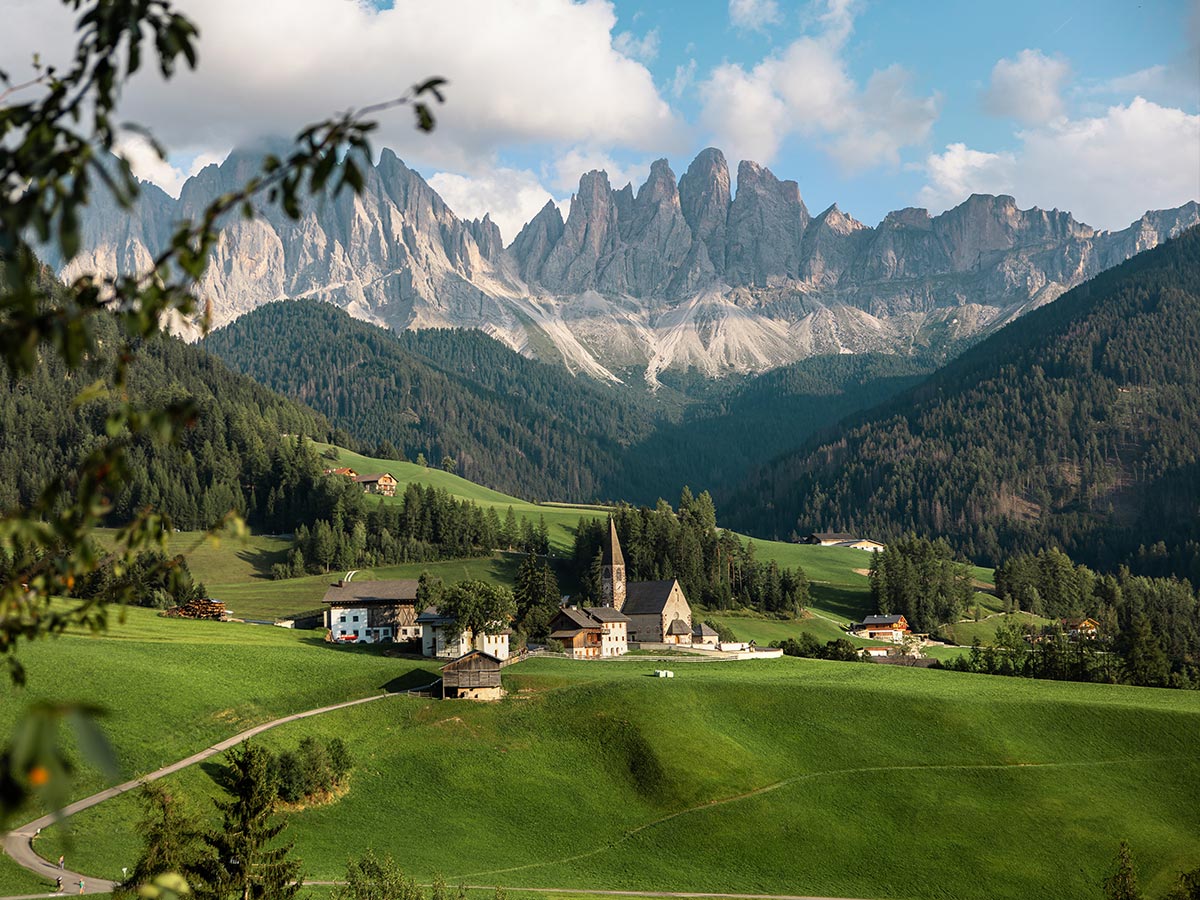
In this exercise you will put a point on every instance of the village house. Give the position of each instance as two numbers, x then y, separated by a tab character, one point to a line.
438	640
473	676
347	472
1087	629
591	632
657	611
381	483
372	611
882	628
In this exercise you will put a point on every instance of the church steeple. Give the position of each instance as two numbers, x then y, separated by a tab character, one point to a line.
612	575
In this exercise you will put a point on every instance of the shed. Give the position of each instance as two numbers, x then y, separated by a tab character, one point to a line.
473	676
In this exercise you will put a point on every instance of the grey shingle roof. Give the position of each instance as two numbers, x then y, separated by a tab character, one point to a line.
678	627
403	590
702	630
645	598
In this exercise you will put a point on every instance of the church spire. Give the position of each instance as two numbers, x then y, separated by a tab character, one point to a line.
612	575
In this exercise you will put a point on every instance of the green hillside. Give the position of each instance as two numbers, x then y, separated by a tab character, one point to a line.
1073	426
781	776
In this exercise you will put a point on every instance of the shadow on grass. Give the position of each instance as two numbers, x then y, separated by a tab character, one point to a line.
262	560
414	678
852	603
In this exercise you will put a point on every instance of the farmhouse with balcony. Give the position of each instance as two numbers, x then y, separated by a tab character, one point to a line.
591	632
842	539
657	611
372	611
882	628
1085	629
380	483
345	471
438	637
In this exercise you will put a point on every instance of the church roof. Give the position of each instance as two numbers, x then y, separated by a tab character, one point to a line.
647	597
612	552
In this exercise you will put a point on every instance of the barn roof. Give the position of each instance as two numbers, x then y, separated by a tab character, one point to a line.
402	590
470	657
644	598
882	620
577	617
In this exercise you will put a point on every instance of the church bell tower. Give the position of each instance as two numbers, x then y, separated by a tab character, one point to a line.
612	575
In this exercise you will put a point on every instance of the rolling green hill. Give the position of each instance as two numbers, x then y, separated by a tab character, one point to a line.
785	776
1073	426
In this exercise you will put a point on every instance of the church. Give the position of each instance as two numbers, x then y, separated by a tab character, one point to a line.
658	612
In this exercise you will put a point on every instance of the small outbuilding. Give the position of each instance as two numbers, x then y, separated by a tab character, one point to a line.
473	676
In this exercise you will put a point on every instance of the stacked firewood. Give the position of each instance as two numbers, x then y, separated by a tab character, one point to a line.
201	608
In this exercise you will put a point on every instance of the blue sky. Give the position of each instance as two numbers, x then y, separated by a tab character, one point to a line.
1092	107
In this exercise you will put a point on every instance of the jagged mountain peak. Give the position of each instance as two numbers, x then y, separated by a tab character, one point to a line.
681	272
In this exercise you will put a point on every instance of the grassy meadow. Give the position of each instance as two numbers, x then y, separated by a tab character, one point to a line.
777	776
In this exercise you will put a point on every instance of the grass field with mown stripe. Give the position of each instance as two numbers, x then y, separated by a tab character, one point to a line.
776	776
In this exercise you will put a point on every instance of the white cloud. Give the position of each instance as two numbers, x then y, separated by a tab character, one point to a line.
754	15
1027	88
644	49
521	74
807	89
146	164
1107	170
567	168
685	77
511	196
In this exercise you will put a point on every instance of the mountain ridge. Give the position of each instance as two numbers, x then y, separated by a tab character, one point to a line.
684	273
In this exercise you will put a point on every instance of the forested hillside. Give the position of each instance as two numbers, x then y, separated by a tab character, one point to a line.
234	455
721	437
508	422
1075	425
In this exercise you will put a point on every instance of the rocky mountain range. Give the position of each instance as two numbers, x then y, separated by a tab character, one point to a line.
683	273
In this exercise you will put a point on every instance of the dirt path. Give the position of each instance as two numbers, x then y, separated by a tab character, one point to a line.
18	843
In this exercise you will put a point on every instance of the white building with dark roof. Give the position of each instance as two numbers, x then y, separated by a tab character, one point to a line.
438	638
372	611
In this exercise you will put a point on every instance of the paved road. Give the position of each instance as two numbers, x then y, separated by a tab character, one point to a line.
18	843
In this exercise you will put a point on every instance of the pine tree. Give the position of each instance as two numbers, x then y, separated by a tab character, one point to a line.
246	866
172	841
1122	883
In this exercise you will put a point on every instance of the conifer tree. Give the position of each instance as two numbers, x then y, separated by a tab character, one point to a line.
246	866
172	841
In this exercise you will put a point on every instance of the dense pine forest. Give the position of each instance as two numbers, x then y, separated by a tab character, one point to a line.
534	429
508	422
233	456
1074	426
714	566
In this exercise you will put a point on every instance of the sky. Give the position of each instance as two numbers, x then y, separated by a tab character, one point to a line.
1091	106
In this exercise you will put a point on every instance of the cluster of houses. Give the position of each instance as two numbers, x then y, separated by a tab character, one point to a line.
654	613
376	483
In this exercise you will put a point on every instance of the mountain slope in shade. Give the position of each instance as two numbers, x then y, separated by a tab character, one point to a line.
511	423
683	273
1075	425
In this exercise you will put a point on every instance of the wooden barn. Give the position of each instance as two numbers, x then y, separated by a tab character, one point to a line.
473	676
